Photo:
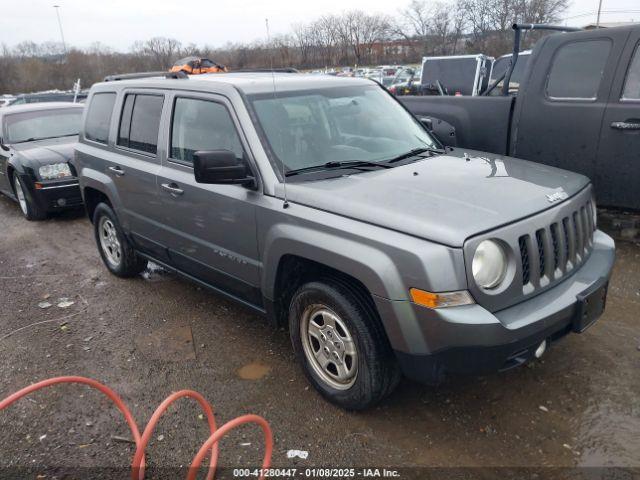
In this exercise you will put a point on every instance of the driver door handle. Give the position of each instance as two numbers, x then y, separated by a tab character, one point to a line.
626	125
117	171
172	188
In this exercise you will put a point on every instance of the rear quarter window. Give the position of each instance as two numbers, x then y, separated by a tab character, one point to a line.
140	122
96	127
577	70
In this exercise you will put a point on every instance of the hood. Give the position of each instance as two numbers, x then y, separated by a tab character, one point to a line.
445	198
45	152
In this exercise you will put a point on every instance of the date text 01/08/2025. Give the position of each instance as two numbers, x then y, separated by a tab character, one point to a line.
316	473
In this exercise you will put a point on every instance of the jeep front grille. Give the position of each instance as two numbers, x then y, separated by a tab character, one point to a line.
560	247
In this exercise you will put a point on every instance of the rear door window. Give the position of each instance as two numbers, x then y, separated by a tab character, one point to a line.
202	125
577	70
98	120
632	82
140	122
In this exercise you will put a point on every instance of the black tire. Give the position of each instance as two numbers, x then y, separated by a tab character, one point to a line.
130	263
377	369
30	208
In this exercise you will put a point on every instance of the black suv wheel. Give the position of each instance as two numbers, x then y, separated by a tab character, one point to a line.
116	251
339	340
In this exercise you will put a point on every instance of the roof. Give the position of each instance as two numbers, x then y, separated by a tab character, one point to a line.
592	26
246	82
48	93
35	107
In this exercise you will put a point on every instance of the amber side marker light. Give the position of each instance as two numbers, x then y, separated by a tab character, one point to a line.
440	300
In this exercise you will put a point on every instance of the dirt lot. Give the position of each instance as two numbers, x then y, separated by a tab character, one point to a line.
155	334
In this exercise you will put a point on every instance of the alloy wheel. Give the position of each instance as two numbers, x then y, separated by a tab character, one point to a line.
21	197
109	241
329	346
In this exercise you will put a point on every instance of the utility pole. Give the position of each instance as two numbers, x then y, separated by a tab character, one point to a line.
64	45
599	10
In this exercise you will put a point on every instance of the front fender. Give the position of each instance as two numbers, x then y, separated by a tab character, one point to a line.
20	165
373	267
387	262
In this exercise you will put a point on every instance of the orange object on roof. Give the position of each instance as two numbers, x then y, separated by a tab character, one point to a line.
196	66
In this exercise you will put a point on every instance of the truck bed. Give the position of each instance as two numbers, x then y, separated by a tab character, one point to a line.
479	123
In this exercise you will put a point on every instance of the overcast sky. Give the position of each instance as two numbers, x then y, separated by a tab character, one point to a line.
118	23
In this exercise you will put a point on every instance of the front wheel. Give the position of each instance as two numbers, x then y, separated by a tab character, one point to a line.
339	340
116	251
30	209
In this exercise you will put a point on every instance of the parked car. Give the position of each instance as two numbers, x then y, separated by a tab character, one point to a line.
406	82
48	97
6	100
577	107
455	75
374	74
197	66
326	206
36	143
387	74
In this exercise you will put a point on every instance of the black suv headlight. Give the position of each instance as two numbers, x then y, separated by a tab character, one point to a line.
54	171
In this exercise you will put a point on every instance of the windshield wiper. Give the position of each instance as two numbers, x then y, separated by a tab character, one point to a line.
357	164
416	152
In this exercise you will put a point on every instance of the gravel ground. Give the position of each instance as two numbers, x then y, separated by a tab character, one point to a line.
149	336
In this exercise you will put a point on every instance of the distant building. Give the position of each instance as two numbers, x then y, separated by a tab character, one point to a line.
395	48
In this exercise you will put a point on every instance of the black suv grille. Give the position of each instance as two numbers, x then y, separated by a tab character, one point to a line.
571	240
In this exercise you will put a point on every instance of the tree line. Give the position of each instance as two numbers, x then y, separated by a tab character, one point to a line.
355	37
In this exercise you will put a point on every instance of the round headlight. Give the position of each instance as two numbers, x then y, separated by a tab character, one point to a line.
489	264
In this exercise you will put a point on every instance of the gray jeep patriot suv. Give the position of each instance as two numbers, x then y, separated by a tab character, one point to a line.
323	204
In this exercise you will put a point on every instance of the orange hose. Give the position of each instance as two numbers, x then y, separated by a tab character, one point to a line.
138	462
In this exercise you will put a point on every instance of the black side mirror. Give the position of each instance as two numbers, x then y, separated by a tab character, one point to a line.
4	147
221	167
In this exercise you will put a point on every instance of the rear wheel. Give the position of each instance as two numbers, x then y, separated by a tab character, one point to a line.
30	209
340	342
116	251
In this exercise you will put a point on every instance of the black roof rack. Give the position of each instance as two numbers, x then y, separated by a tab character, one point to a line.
267	70
131	76
545	26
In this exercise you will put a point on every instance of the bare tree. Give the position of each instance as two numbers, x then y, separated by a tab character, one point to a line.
414	20
162	50
422	27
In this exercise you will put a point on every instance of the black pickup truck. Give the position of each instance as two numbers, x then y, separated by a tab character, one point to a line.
577	107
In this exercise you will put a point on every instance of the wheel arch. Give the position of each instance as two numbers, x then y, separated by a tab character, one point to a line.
97	187
294	271
92	198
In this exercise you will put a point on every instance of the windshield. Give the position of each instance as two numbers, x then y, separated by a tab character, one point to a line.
37	125
339	124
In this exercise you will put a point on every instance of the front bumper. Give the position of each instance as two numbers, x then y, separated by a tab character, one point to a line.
432	343
54	195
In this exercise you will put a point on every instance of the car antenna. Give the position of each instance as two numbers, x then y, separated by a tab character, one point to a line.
275	98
